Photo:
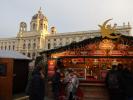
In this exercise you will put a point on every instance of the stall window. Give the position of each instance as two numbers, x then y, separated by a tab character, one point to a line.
3	69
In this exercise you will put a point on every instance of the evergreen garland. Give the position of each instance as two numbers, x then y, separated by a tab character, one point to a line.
80	44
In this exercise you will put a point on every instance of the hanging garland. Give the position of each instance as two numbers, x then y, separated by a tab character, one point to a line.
128	40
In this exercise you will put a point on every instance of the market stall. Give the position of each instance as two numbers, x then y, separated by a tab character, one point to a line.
92	58
13	74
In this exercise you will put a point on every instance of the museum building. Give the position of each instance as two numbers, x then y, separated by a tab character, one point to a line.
39	37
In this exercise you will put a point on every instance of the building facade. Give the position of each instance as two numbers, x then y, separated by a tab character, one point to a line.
38	38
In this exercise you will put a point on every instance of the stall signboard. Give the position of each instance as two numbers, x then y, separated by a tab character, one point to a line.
84	53
97	53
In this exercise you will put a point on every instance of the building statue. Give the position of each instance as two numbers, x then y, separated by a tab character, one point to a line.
108	31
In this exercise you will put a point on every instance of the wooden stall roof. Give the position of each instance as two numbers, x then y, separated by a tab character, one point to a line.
13	55
128	40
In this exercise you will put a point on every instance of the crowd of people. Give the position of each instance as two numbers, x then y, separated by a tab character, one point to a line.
66	88
62	89
119	82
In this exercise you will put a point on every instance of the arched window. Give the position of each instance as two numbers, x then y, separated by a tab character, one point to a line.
34	26
5	47
1	47
67	43
44	26
28	55
24	46
13	47
49	46
29	46
34	45
33	55
9	47
54	45
60	44
23	53
41	26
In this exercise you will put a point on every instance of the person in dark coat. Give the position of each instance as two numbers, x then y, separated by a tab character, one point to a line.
128	83
112	83
37	84
121	81
56	84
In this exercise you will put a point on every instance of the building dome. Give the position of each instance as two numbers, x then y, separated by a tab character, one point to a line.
39	15
53	30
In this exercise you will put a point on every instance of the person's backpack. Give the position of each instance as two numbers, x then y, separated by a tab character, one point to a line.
113	82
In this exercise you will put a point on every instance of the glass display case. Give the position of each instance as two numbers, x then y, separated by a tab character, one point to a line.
87	68
80	72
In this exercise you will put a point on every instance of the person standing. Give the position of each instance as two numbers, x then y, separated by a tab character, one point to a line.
72	85
37	84
31	69
128	82
121	81
75	82
112	83
56	84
